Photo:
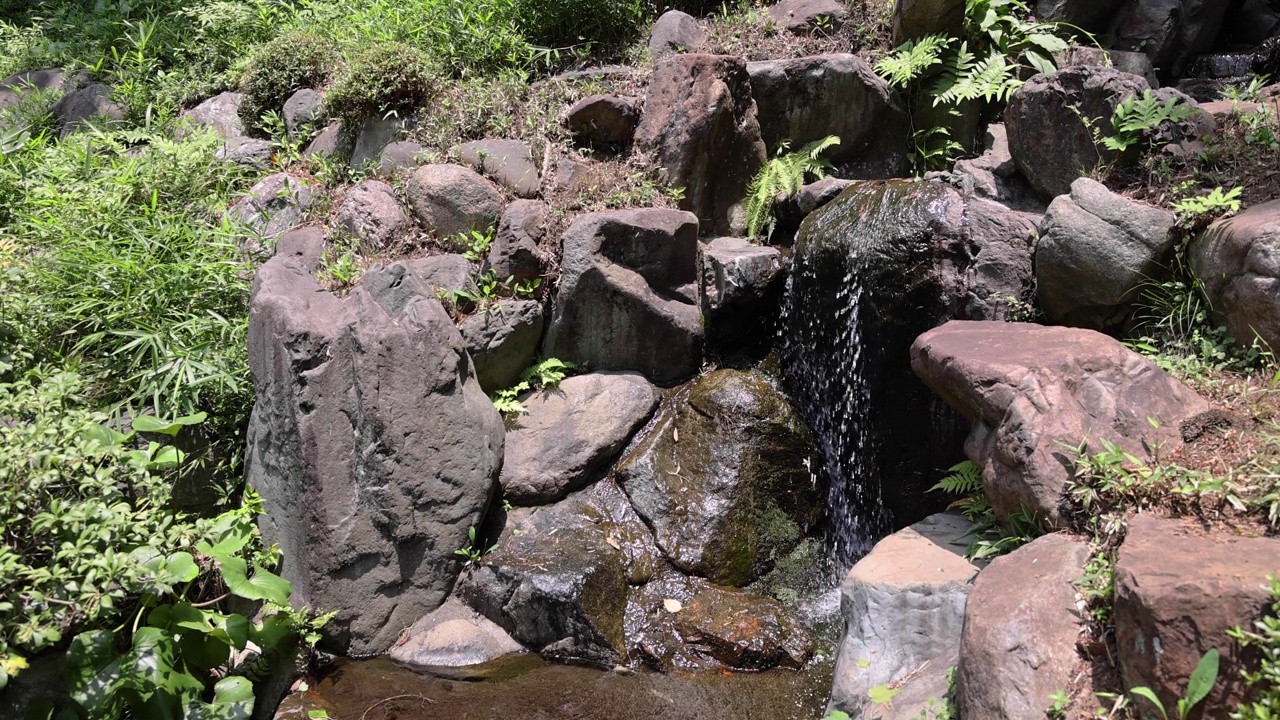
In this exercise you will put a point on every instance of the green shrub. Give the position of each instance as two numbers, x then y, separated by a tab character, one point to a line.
386	78
568	22
289	63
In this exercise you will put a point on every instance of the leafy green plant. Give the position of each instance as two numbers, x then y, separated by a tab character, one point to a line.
912	59
991	537
1265	680
384	79
543	375
785	174
1060	704
474	553
527	288
1198	687
475	244
1137	118
1198	211
290	62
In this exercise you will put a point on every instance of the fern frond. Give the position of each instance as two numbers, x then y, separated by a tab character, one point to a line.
912	59
963	479
993	79
784	175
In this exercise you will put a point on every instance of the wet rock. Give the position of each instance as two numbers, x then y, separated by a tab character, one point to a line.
221	113
401	155
806	16
1096	248
451	639
503	341
727	479
806	99
699	127
676	32
1032	392
1050	144
571	433
451	199
904	606
743	631
608	120
326	143
508	162
1020	628
373	137
373	447
89	105
400	283
628	294
249	152
304	246
514	252
816	194
372	214
1238	262
305	107
741	284
913	19
1168	615
278	202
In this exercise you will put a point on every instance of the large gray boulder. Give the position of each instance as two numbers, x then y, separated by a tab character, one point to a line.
571	433
275	204
514	252
508	162
503	341
220	113
676	32
607	120
1171	32
373	447
806	99
1092	15
451	640
699	128
303	108
249	152
1237	261
1032	393
1096	248
372	137
728	480
451	199
903	605
1020	628
17	88
91	104
741	284
628	294
372	214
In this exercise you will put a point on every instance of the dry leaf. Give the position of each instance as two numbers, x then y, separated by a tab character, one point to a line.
672	606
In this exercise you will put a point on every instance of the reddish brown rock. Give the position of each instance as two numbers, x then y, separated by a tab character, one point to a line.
1178	592
743	631
806	16
1238	260
605	119
1034	392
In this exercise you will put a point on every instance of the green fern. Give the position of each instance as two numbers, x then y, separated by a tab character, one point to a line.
962	479
543	375
992	79
1137	116
912	59
785	174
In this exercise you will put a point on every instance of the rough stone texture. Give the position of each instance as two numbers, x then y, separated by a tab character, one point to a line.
743	631
1092	15
993	174
676	32
442	272
806	99
304	245
727	480
571	433
326	143
373	137
903	604
451	199
913	19
1050	144
503	341
1168	615
277	203
1238	262
628	294
372	445
514	252
400	283
1095	249
741	283
401	155
699	127
1134	63
1170	32
249	152
371	213
92	104
508	162
220	112
44	680
452	638
1253	23
15	87
305	107
1020	628
608	120
806	16
1031	392
816	194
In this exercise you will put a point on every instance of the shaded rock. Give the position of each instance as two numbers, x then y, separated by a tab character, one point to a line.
1134	63
304	245
1168	615
1095	249
1092	15
44	680
326	143
401	155
400	283
741	284
92	104
451	199
608	120
503	341
727	479
676	32
1032	392
904	608
373	137
806	99
221	113
628	294
18	86
514	252
1020	627
371	213
805	16
452	638
373	447
1170	32
816	194
1253	23
913	19
246	151
1237	260
571	433
508	162
993	174
277	203
1049	142
304	107
699	127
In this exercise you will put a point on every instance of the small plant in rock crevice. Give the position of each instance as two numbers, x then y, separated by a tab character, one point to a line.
991	538
1264	681
784	175
543	375
473	552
